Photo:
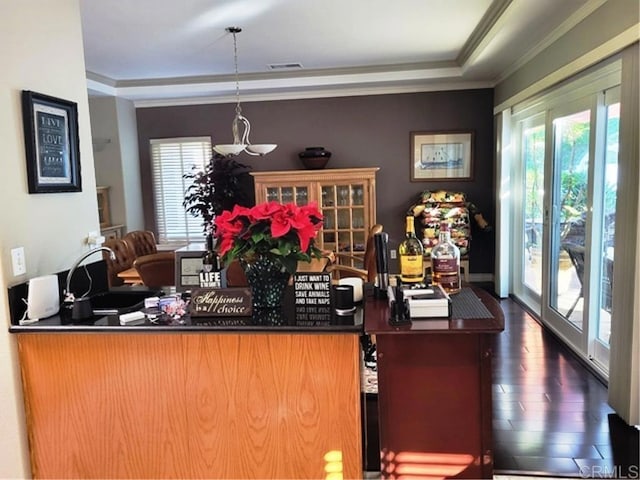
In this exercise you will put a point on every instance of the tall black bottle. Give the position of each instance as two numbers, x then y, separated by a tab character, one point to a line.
210	275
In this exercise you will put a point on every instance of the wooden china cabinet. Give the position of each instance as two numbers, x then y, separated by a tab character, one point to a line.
346	197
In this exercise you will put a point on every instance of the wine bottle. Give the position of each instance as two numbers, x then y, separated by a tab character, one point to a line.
411	254
445	262
210	275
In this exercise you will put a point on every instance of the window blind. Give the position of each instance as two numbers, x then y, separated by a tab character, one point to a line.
171	158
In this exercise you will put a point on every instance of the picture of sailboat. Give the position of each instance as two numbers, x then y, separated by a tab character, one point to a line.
441	155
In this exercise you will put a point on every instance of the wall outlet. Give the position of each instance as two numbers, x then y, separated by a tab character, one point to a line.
393	254
18	261
94	239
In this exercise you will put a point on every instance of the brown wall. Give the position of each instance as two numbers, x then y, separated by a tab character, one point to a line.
360	132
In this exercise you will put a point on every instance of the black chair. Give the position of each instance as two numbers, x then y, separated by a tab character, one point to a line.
576	254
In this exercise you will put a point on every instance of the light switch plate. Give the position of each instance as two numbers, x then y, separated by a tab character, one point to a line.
18	262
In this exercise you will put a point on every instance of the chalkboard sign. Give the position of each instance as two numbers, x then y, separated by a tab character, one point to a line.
312	289
225	302
53	147
51	143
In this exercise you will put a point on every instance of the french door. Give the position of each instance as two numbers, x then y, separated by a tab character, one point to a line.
564	227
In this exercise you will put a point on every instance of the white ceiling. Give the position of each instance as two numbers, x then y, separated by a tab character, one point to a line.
158	52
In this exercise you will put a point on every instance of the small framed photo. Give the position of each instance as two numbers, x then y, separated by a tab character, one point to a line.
441	156
51	143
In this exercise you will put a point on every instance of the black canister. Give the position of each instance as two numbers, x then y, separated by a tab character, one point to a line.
343	299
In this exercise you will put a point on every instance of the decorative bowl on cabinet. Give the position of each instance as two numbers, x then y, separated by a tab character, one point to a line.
314	158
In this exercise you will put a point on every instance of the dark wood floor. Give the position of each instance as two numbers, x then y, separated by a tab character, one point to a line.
551	415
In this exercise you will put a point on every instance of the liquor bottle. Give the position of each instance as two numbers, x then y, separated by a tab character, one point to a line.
411	254
445	262
210	275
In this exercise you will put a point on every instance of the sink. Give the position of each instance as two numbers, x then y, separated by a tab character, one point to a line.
114	303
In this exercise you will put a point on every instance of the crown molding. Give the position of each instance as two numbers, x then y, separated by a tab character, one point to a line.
315	93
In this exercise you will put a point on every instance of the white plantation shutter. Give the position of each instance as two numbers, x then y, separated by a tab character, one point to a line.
171	158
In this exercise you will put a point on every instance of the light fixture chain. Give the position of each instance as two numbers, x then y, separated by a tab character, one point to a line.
235	63
240	143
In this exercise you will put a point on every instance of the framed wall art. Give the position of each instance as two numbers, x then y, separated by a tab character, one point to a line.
51	143
441	156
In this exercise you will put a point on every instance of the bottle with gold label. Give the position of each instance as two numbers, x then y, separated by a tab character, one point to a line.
445	262
410	252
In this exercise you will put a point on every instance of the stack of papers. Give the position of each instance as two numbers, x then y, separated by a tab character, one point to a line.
432	302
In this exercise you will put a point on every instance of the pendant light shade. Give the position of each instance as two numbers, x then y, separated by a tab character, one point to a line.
240	123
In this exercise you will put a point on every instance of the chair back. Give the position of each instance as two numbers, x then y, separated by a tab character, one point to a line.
370	253
368	271
124	259
157	269
576	254
143	242
235	275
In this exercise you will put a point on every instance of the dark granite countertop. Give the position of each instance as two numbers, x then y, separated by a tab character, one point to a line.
482	314
288	319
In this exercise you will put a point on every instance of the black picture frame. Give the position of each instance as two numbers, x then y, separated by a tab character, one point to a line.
51	143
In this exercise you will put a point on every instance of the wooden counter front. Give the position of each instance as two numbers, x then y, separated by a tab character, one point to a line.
192	405
434	393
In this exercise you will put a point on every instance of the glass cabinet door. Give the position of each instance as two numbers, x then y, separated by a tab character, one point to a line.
346	198
298	194
345	221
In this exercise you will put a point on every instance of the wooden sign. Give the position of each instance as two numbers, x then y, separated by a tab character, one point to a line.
225	302
312	289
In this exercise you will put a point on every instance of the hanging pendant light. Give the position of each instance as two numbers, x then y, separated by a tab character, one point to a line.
240	143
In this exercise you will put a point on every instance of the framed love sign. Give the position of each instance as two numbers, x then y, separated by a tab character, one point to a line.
51	143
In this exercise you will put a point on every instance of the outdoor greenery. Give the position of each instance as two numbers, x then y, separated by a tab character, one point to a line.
573	156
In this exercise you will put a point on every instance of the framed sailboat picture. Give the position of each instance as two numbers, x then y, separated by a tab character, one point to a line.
441	156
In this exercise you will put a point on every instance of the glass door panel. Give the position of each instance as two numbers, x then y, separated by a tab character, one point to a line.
344	220
357	197
328	196
568	215
329	240
344	241
357	214
302	195
273	195
608	219
343	193
359	242
329	219
286	194
533	148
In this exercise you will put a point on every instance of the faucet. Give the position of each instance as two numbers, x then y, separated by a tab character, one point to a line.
69	297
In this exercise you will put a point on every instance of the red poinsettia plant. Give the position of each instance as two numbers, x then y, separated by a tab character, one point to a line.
283	232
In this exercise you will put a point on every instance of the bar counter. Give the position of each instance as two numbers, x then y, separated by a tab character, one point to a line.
261	397
289	318
434	389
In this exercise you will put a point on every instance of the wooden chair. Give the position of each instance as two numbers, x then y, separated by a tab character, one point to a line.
235	275
368	271
157	269
143	242
124	259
